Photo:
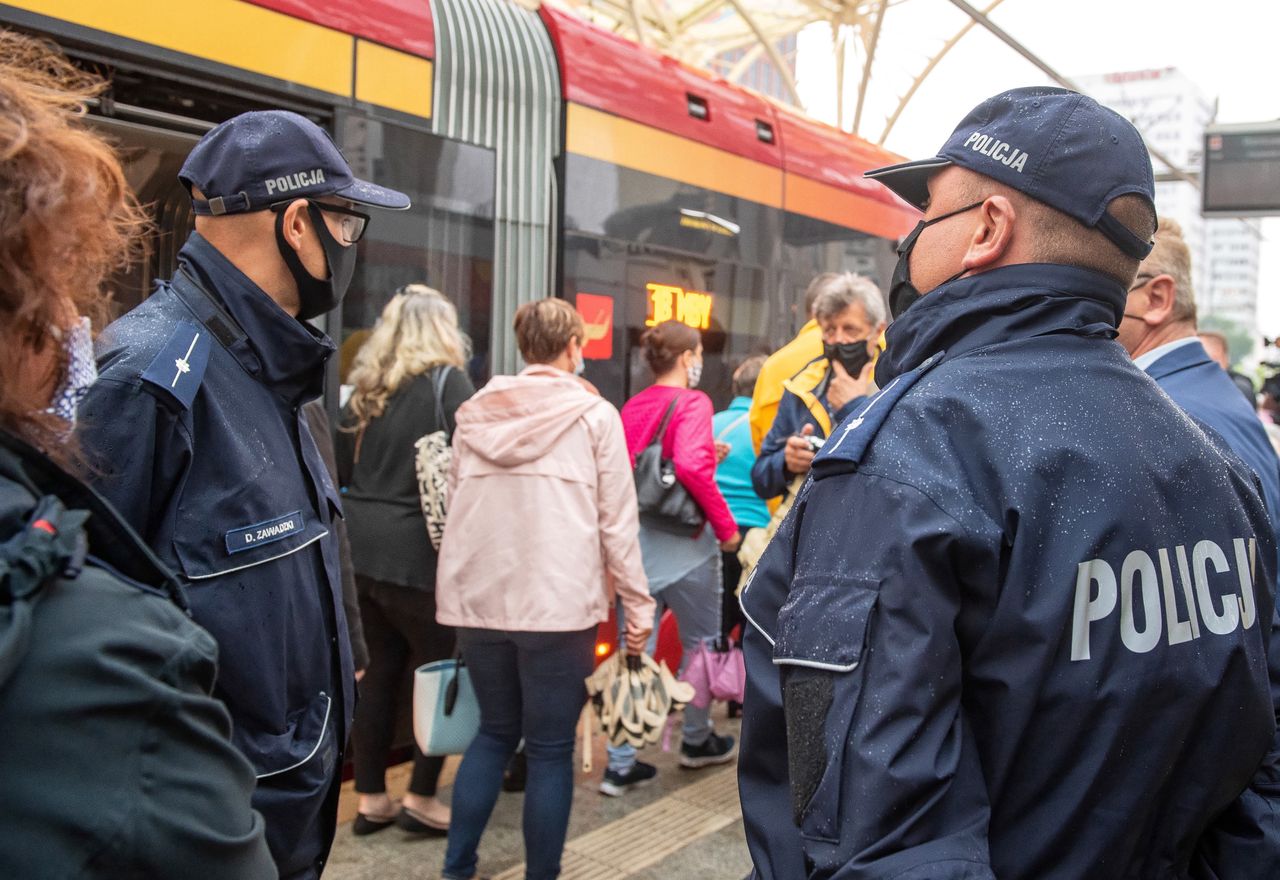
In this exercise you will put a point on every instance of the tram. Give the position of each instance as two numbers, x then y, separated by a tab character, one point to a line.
543	155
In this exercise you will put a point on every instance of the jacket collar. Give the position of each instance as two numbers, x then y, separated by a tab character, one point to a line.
1192	354
1012	302
810	386
284	353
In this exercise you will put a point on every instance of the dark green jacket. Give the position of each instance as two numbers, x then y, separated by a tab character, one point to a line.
114	760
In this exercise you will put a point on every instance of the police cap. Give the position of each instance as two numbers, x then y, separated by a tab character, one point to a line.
257	159
1057	146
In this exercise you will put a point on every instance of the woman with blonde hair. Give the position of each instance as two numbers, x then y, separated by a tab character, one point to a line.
409	380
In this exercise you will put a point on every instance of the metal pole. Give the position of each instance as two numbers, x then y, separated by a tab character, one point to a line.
866	68
1035	59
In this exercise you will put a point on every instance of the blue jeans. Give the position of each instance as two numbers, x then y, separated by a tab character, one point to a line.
695	601
529	685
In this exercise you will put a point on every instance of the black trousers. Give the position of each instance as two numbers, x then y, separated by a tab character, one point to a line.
730	610
401	631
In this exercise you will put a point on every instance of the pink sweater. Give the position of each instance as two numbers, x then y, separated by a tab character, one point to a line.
689	443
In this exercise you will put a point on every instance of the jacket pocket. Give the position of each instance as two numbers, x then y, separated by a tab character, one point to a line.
300	750
239	530
822	634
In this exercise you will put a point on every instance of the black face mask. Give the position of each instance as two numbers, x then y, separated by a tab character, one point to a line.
902	293
318	295
852	356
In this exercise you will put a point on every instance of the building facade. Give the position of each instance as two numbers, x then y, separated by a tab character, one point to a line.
1172	112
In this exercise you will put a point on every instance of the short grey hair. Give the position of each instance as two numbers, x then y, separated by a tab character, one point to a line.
1171	256
843	290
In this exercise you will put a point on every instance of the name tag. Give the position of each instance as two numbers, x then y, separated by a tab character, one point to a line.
248	537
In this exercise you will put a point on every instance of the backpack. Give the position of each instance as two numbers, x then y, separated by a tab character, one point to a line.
434	456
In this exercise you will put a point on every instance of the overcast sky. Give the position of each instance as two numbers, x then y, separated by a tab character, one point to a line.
1228	47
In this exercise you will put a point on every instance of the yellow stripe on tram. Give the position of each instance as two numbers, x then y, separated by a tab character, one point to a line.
393	79
610	138
228	32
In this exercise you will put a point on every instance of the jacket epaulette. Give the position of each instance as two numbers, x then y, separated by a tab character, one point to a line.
848	444
178	368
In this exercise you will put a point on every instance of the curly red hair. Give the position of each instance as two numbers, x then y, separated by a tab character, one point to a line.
68	220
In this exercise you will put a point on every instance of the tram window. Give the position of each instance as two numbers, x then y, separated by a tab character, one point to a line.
444	240
698	108
726	301
151	157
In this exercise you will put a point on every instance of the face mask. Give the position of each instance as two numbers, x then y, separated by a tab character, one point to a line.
579	365
902	293
695	373
81	371
318	295
852	356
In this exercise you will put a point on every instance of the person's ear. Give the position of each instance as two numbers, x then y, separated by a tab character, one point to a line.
993	236
1161	292
296	222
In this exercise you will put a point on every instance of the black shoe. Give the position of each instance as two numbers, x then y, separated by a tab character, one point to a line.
716	750
616	784
368	825
415	823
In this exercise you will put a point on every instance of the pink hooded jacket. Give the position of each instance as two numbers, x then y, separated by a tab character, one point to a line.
542	511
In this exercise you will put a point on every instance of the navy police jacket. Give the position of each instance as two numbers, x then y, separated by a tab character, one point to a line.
1016	624
194	424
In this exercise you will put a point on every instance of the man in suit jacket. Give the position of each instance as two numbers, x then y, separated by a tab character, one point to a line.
1159	332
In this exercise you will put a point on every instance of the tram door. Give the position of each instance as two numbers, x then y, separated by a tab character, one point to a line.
152	156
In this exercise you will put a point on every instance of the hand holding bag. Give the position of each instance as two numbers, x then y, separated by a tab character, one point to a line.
717	671
665	504
446	715
633	697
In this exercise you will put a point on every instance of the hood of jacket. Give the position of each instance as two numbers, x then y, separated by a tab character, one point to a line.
50	525
517	419
1012	302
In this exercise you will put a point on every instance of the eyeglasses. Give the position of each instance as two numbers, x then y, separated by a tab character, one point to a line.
1140	281
351	224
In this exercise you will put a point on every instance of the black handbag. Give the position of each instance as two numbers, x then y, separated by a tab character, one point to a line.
665	504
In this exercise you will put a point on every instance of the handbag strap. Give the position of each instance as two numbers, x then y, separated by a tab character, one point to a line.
735	423
437	386
451	689
666	419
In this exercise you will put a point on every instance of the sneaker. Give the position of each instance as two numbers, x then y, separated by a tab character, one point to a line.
616	783
716	750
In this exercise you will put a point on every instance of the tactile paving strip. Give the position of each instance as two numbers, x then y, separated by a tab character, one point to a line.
650	834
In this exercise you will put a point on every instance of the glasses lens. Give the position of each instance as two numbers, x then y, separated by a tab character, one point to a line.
352	228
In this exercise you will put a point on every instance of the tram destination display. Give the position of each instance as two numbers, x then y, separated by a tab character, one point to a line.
1241	175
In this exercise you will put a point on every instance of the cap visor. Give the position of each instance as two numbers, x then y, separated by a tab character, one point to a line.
362	192
910	180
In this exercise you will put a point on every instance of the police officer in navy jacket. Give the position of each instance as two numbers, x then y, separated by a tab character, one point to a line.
1159	332
194	424
1017	623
